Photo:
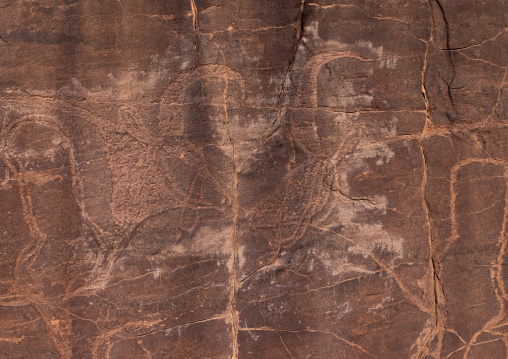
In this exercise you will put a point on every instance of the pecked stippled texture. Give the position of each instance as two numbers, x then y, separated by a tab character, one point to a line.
253	179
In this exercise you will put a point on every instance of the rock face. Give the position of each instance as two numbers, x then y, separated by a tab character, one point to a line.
253	179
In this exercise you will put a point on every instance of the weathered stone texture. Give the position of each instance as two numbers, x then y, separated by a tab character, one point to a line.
253	179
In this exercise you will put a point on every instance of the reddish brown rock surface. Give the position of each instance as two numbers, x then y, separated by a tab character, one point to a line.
253	179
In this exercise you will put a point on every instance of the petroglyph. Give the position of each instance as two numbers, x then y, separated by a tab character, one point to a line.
253	179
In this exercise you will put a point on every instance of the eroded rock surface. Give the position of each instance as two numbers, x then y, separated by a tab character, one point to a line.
253	179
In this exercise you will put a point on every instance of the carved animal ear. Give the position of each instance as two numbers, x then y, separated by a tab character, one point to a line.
314	130
38	145
43	155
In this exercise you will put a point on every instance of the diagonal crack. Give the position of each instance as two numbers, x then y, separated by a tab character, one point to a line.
187	324
465	47
353	345
282	92
414	300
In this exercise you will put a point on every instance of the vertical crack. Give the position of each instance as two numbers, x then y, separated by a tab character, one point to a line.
236	210
433	257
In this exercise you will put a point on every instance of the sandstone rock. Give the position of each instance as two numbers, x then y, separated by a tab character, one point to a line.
253	179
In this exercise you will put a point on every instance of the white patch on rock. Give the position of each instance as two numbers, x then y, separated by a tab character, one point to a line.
389	63
377	151
365	237
376	50
209	240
